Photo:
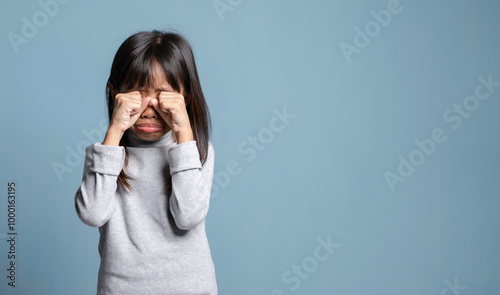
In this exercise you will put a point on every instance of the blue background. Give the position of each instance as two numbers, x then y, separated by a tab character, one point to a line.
322	176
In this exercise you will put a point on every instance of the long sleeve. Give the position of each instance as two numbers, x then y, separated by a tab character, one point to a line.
191	184
95	198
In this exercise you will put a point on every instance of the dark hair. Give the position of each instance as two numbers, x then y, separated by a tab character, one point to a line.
133	67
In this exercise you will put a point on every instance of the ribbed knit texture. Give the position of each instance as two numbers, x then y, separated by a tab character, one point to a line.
152	240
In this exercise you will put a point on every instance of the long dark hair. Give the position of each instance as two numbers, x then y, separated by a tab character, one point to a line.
133	67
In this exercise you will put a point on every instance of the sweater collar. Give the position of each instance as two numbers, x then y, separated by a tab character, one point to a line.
132	140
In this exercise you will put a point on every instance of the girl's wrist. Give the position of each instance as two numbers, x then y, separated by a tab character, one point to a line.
113	137
184	136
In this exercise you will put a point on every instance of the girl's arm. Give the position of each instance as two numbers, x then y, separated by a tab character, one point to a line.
95	198
191	184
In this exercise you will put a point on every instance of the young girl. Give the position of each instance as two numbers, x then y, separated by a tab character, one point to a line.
147	185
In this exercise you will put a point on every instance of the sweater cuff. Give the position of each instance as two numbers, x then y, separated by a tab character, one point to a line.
107	159
184	156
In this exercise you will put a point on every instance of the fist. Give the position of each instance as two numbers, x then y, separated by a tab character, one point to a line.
172	108
128	108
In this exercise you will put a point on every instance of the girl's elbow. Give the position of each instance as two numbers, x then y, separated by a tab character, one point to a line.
187	222
90	217
90	220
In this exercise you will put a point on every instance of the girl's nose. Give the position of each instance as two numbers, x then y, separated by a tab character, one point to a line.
149	112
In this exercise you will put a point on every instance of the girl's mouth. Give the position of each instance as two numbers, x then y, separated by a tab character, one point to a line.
149	128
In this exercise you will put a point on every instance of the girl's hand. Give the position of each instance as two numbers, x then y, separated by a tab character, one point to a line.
172	108
128	108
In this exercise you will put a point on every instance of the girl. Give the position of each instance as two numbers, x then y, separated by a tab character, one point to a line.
147	185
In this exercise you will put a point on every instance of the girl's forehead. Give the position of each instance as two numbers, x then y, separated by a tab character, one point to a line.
154	81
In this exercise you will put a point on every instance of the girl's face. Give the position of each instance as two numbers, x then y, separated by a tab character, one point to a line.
150	125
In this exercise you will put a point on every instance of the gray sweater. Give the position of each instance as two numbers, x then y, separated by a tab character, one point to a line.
152	240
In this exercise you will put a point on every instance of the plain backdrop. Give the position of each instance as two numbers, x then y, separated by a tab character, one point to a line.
356	142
